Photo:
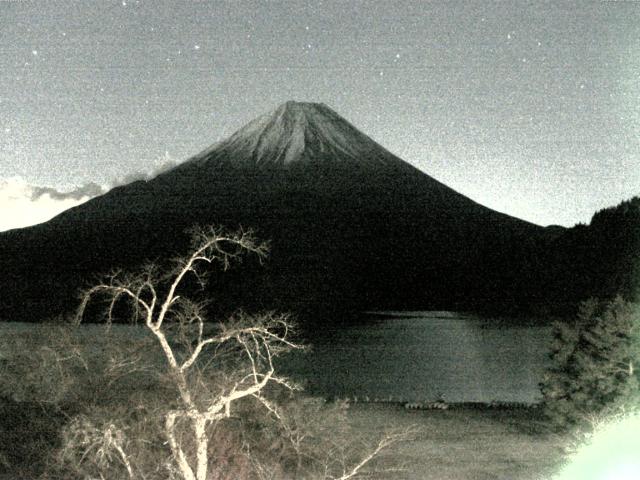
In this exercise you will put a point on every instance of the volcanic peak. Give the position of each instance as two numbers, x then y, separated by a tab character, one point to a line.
299	131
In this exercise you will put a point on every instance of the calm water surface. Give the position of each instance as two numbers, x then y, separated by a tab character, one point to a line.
421	356
412	357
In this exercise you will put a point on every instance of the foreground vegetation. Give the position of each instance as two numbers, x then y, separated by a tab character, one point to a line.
594	371
181	398
454	444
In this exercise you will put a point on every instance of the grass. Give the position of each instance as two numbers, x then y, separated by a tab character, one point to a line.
28	433
466	443
454	444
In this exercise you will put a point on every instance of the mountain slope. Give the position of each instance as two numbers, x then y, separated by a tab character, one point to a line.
351	225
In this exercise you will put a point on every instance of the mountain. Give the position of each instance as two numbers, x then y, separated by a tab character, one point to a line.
351	227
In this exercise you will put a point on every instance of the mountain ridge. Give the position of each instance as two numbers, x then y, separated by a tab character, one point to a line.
352	228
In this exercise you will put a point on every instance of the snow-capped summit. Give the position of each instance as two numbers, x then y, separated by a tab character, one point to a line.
299	131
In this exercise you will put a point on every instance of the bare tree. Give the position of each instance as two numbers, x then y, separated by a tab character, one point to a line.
212	366
260	339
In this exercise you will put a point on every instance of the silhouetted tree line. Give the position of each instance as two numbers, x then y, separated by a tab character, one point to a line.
599	260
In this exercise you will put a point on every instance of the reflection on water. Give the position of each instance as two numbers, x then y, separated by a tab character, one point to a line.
421	356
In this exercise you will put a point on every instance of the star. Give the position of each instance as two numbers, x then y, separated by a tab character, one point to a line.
196	47
34	52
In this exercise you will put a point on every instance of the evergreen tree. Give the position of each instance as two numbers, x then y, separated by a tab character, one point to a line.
594	363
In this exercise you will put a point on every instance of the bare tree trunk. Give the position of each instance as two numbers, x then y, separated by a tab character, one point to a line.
176	449
200	425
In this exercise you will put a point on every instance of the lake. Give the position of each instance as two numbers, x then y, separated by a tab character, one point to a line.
422	356
411	357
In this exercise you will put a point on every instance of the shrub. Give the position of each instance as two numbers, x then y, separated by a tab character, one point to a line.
594	363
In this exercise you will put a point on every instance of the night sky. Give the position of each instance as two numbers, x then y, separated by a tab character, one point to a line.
530	108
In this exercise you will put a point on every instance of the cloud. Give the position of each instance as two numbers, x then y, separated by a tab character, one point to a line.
23	204
88	190
161	165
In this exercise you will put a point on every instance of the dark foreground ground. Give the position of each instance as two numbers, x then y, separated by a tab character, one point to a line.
454	444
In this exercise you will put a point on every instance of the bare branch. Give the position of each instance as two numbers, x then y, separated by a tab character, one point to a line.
196	352
257	339
384	443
